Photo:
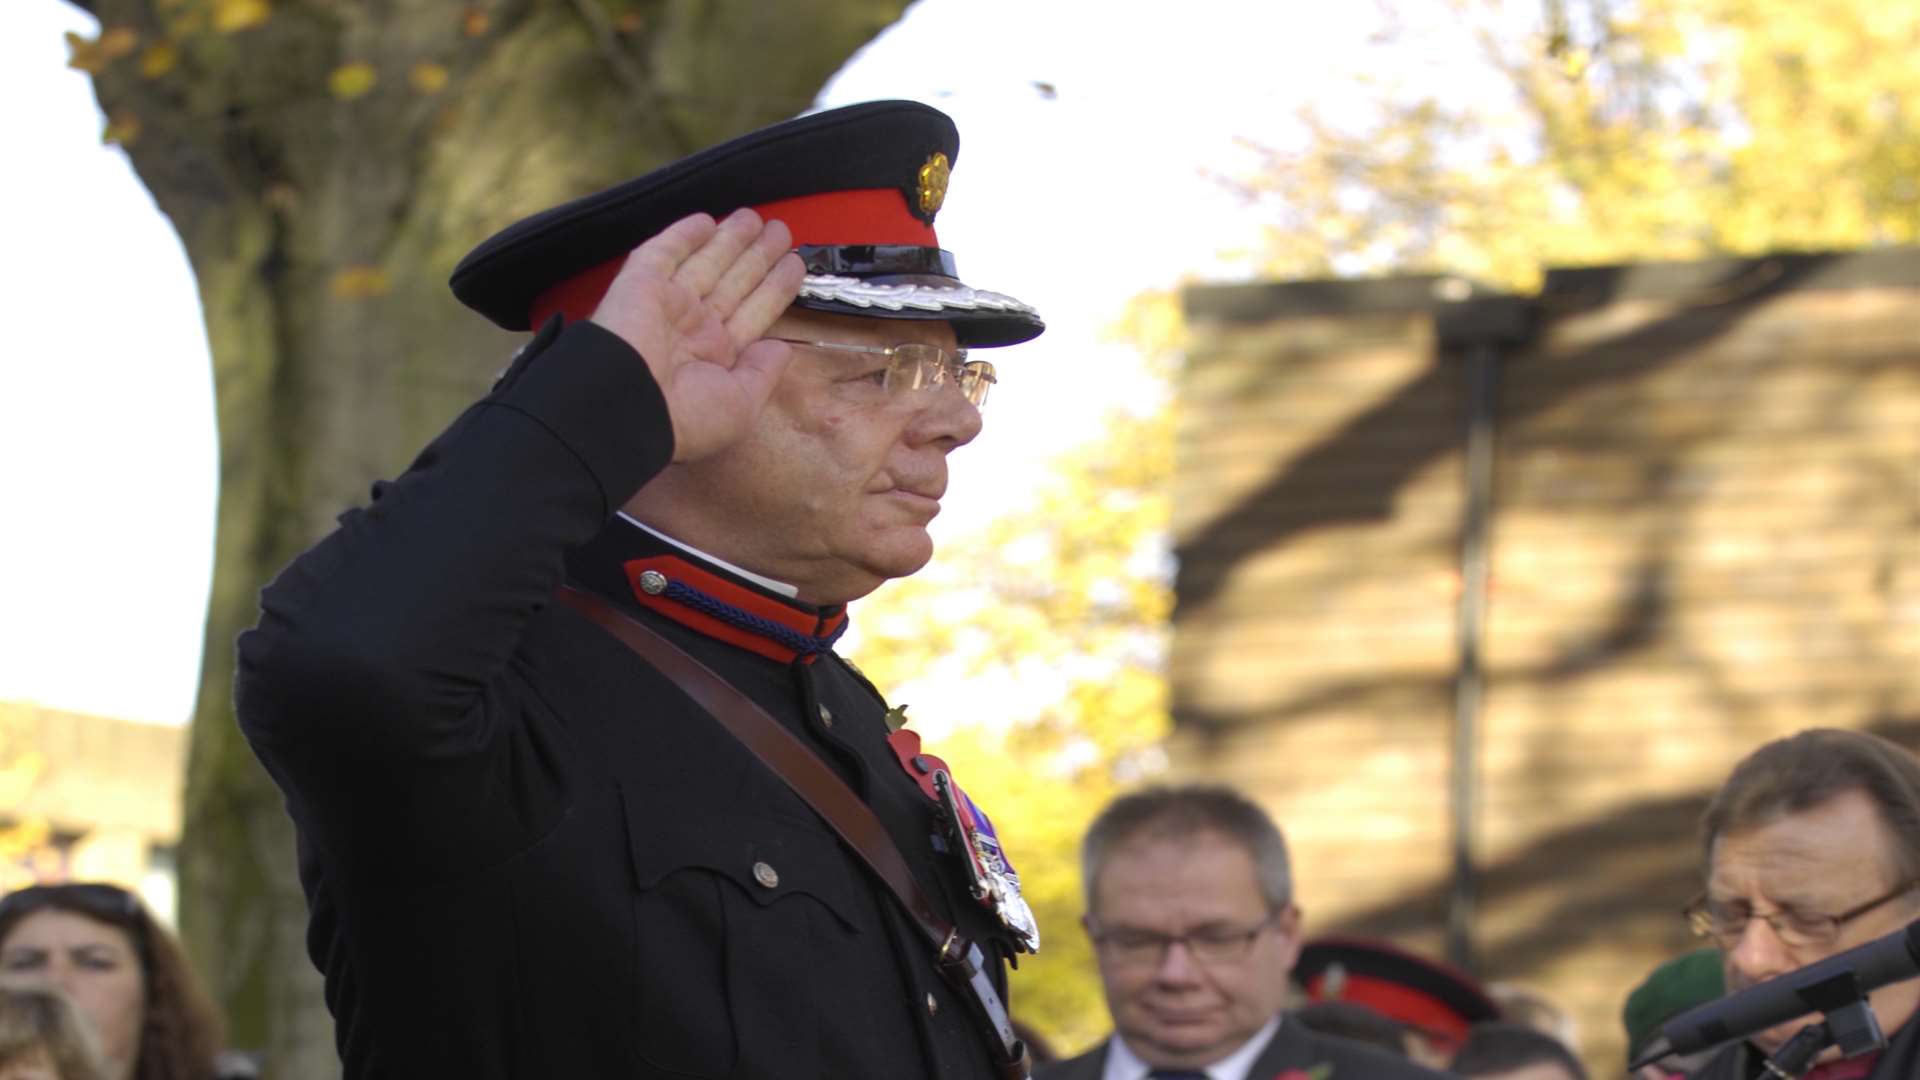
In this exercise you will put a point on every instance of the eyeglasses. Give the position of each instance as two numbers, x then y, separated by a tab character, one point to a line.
1725	923
1207	945
918	366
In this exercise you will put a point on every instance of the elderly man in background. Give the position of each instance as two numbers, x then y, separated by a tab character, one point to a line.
1813	847
1190	908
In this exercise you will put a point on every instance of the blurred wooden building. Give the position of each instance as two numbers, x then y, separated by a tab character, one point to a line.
90	798
1483	595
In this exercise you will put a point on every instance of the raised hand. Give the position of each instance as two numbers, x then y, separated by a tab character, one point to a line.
693	301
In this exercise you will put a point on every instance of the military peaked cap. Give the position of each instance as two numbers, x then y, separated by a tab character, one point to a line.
858	186
1412	989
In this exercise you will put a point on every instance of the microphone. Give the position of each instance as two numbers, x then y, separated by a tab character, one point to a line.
1819	987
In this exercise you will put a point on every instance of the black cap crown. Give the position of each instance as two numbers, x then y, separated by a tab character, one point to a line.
859	187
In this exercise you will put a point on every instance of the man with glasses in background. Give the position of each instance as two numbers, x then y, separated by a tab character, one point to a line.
493	698
1813	847
1190	907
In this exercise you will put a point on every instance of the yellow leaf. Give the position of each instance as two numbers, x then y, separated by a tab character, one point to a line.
476	22
83	54
119	41
350	81
428	77
158	60
123	127
231	16
360	282
92	55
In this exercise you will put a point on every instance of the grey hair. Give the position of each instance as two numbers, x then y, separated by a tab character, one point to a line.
1799	772
1180	812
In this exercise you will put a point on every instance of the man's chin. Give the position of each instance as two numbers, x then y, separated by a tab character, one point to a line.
850	580
1770	1041
899	552
1179	1038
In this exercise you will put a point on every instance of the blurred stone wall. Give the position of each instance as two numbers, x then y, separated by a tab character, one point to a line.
1704	533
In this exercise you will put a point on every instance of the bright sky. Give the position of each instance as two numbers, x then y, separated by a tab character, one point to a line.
1074	200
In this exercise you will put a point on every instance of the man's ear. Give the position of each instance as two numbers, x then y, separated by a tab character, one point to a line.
1289	920
1287	925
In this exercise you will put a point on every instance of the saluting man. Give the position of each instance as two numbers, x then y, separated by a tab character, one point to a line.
527	850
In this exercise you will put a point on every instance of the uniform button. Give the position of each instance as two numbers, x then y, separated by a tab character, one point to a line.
933	1007
653	582
826	716
766	875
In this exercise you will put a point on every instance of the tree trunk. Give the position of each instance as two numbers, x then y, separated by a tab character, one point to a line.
326	162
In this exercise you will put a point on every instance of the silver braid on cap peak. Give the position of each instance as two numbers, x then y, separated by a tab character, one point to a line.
859	293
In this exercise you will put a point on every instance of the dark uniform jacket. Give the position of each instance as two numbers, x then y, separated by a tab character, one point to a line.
527	853
1293	1046
1899	1061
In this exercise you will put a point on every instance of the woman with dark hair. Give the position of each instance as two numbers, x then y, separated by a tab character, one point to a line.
124	972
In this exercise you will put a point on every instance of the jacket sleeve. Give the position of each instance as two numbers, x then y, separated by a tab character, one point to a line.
377	685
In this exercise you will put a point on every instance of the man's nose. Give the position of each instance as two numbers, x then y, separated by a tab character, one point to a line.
1177	965
1758	953
946	416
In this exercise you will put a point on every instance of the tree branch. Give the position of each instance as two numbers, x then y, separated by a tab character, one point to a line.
646	98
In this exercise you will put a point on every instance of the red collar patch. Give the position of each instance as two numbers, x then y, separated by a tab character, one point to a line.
733	613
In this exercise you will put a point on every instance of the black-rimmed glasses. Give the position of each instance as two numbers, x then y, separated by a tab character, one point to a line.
1725	923
1207	945
918	366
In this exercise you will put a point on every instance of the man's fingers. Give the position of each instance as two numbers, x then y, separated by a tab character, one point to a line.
700	271
759	368
664	251
740	279
769	300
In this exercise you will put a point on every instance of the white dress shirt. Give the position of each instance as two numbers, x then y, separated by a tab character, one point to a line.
1124	1064
780	587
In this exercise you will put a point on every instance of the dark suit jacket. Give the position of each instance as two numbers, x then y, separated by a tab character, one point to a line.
1293	1046
526	852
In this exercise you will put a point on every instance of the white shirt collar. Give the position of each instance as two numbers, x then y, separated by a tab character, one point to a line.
1124	1064
780	587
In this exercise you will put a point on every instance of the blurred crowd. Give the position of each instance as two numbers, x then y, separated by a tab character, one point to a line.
1812	846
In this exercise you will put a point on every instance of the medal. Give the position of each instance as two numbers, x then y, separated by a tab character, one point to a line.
991	879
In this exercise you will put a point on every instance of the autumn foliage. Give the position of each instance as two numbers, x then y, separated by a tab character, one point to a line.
1030	657
1663	129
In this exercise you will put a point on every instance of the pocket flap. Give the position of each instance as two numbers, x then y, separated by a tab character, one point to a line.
766	858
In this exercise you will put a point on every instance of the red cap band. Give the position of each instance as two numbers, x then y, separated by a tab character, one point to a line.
1401	1002
867	216
577	296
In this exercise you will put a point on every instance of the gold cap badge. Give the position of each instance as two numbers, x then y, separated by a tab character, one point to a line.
933	184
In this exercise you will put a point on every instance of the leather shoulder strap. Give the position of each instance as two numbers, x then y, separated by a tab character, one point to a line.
777	747
958	960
